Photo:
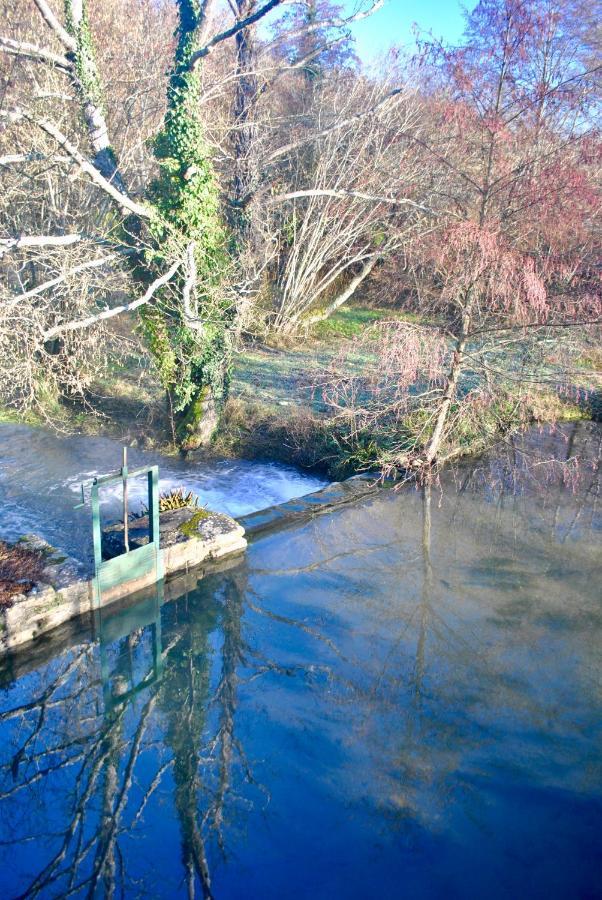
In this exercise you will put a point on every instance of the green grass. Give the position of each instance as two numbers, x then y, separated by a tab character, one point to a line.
351	321
590	360
284	376
10	416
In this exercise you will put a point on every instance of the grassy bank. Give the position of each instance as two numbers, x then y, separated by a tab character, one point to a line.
275	413
309	440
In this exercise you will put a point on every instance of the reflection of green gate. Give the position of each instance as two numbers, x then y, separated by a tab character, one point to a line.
132	564
112	627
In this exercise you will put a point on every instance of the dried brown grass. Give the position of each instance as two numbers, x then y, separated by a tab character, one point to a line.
20	569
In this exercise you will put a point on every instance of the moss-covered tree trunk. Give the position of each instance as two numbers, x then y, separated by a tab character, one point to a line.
189	329
188	325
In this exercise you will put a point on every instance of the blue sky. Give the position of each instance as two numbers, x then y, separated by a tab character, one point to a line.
393	23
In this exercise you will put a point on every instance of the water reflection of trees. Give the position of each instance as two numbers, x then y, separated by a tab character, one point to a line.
557	468
99	748
454	670
99	754
516	509
106	727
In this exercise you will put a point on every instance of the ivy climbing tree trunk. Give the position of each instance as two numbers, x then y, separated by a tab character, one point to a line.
189	334
80	51
187	327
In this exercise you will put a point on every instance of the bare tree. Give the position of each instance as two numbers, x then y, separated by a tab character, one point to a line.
356	205
87	100
507	270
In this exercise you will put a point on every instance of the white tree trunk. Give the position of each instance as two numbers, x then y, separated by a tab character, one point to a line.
345	295
448	397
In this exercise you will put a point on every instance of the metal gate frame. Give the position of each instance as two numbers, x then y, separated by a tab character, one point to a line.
133	563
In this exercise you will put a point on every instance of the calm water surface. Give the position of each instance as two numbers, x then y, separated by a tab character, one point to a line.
399	699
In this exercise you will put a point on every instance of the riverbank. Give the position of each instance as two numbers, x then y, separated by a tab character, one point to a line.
275	410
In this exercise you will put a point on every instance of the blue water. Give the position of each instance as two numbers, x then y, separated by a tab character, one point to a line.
399	699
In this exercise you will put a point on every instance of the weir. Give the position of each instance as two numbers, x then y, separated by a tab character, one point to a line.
169	552
129	557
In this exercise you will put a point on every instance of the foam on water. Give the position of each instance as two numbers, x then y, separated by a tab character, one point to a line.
41	474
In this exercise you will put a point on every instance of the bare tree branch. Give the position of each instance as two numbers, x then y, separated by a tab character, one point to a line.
234	29
51	20
38	240
191	320
14	116
53	282
116	310
346	294
325	192
340	123
322	24
14	158
32	51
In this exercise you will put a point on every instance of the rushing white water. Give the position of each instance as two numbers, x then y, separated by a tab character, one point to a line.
41	473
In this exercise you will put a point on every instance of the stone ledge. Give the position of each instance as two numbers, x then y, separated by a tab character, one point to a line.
67	590
176	527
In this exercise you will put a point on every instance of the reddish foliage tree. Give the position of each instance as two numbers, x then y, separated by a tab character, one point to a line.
518	154
510	257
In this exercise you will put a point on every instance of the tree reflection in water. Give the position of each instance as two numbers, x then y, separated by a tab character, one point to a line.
375	678
96	749
162	705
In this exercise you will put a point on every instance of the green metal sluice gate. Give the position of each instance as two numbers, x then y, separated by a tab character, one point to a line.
116	628
131	564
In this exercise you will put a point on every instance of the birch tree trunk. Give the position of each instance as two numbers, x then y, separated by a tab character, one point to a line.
89	86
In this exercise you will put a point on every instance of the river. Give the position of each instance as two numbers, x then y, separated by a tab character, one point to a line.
401	698
41	474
